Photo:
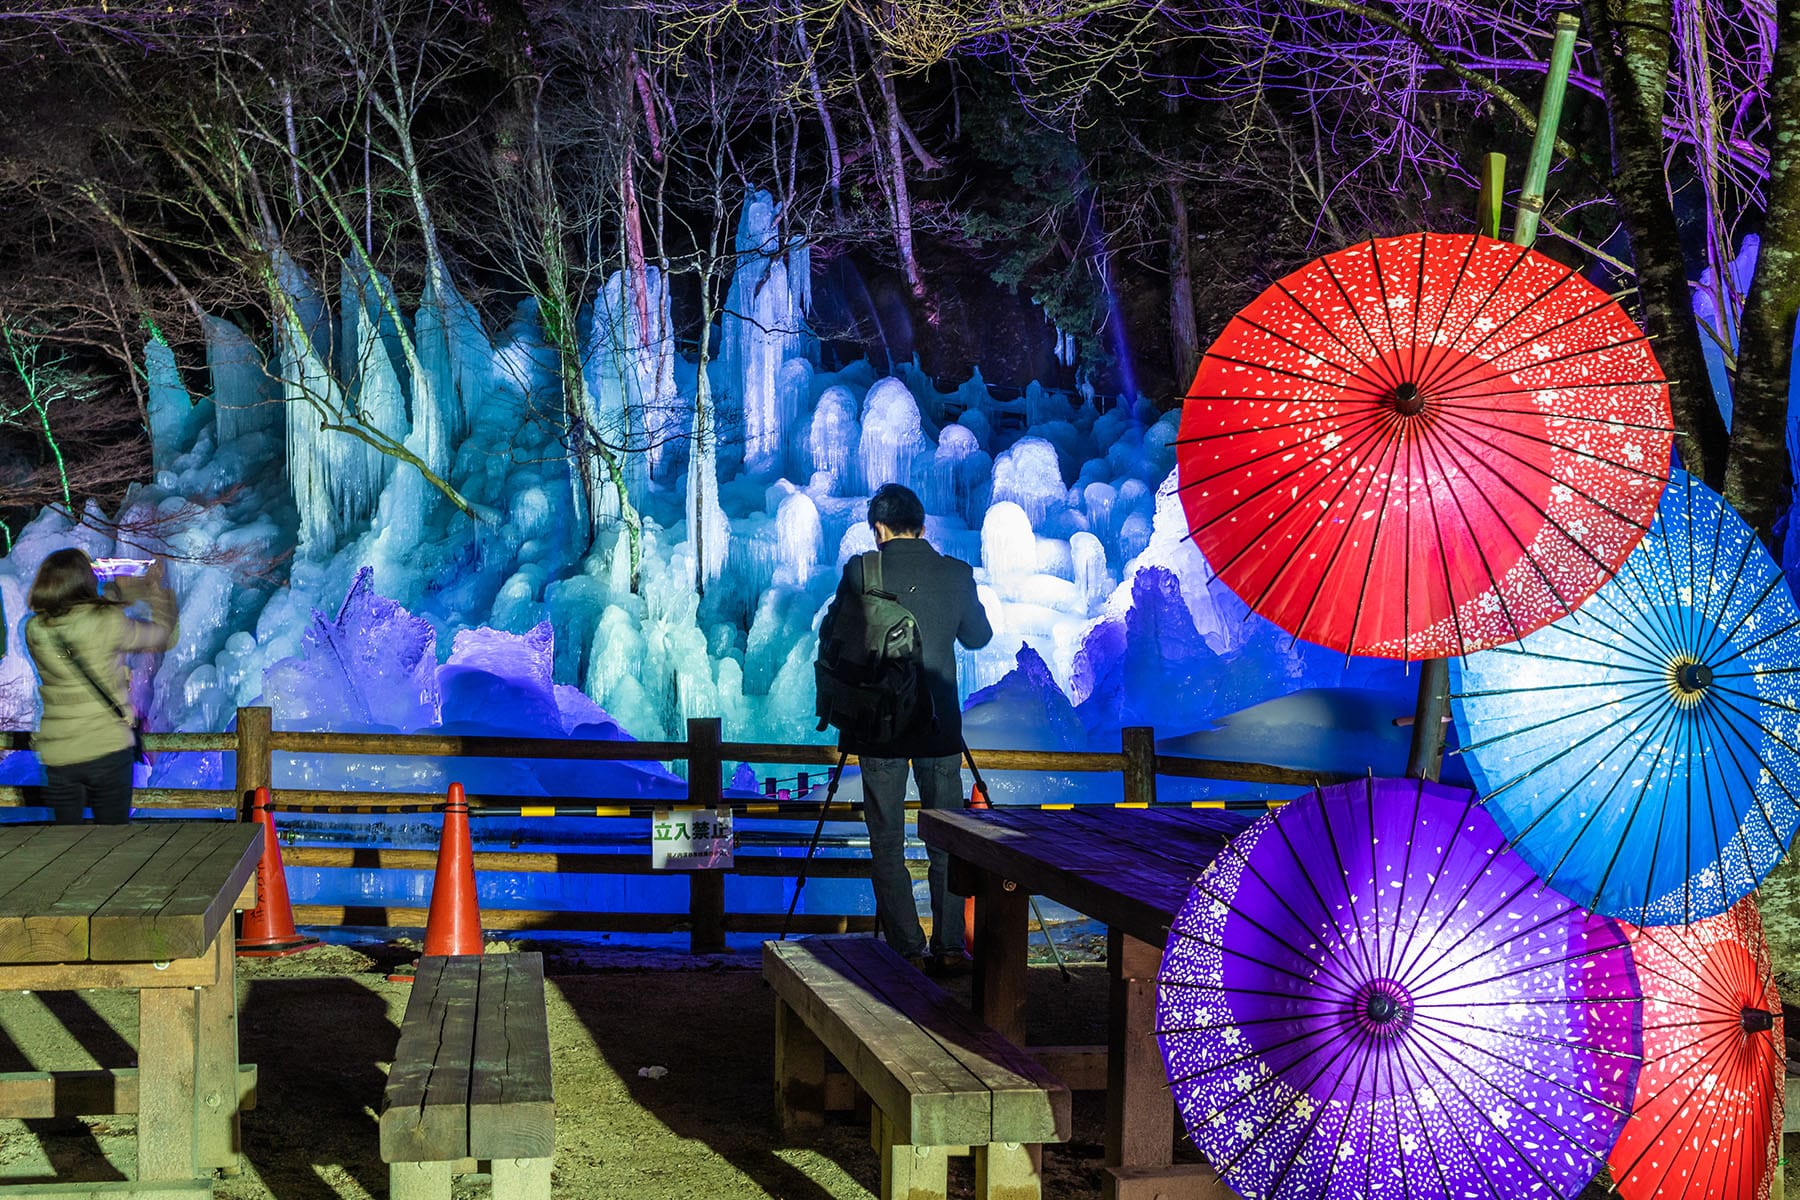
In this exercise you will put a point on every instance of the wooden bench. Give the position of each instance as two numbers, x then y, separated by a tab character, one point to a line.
938	1080
471	1079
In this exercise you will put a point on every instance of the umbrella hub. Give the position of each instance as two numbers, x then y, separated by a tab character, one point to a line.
1407	399
1757	1020
1689	679
1383	1008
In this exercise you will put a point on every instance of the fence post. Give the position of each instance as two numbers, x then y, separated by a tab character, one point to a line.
706	889
254	768
1139	745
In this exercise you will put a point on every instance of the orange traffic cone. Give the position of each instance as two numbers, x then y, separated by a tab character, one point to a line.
977	799
268	930
454	923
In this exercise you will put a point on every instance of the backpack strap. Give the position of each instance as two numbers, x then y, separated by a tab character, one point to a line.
871	564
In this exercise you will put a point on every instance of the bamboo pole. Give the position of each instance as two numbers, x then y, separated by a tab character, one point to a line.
1425	754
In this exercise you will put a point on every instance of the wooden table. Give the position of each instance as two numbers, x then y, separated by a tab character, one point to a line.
144	907
1128	868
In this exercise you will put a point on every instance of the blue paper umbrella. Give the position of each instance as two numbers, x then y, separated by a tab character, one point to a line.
1641	753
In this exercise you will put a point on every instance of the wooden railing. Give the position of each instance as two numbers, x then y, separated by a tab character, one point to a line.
255	742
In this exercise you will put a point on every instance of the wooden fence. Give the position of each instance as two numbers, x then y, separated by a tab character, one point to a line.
705	753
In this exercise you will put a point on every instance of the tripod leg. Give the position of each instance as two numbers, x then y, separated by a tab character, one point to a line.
813	845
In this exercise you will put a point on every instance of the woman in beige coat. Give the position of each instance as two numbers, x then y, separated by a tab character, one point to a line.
78	638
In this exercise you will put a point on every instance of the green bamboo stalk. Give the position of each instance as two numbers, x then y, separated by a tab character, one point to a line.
1537	167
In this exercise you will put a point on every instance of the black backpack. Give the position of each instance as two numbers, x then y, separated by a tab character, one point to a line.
870	674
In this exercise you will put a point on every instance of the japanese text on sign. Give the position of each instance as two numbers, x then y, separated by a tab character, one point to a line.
694	839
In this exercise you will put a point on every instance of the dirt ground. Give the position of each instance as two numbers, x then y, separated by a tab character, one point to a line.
322	1026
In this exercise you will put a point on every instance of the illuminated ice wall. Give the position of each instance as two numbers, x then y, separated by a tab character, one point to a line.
333	583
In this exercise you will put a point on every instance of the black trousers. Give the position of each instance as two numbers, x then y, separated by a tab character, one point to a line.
103	784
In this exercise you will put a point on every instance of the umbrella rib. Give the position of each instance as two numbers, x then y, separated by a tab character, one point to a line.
1490	358
1661	747
1362	594
1375	397
1387	309
1469	399
1644	595
1425	1066
1360	428
1325	908
1722	639
1655	691
1376	365
1474	350
1527	1068
1349	478
1352	934
1392	964
1569	627
1475	539
1696	1081
1420	973
1549	522
1404	964
1465	416
1366	363
1746	647
1427	988
1427	370
1720	728
1300	346
1519	1106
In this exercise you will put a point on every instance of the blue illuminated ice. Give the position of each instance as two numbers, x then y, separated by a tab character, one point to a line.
351	594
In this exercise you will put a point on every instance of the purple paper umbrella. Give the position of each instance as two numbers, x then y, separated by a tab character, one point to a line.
1367	994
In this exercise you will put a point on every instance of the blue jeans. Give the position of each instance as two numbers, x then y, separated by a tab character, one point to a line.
884	810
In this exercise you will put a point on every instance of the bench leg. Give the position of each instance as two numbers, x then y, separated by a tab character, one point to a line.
521	1178
217	1081
168	1064
799	1075
419	1180
911	1172
1009	1171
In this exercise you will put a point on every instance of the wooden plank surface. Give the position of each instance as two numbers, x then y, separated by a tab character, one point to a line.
931	1098
1129	868
30	1095
512	1110
198	876
425	1113
159	890
1029	1104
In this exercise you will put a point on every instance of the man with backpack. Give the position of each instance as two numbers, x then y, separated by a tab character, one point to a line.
887	681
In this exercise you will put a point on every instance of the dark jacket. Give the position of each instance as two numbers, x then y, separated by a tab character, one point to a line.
940	593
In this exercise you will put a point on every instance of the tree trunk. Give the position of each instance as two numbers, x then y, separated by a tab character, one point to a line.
1632	49
1184	330
902	197
1758	481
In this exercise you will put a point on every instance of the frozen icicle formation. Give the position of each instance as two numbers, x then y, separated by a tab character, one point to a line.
503	682
891	434
321	465
453	355
958	469
708	529
800	538
764	325
372	667
1029	475
631	368
832	438
1092	581
371	366
1008	546
246	399
175	420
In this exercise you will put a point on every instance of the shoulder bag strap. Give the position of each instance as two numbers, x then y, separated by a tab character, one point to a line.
68	652
871	560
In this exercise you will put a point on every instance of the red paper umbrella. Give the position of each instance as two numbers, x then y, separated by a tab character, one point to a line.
1706	1122
1424	445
